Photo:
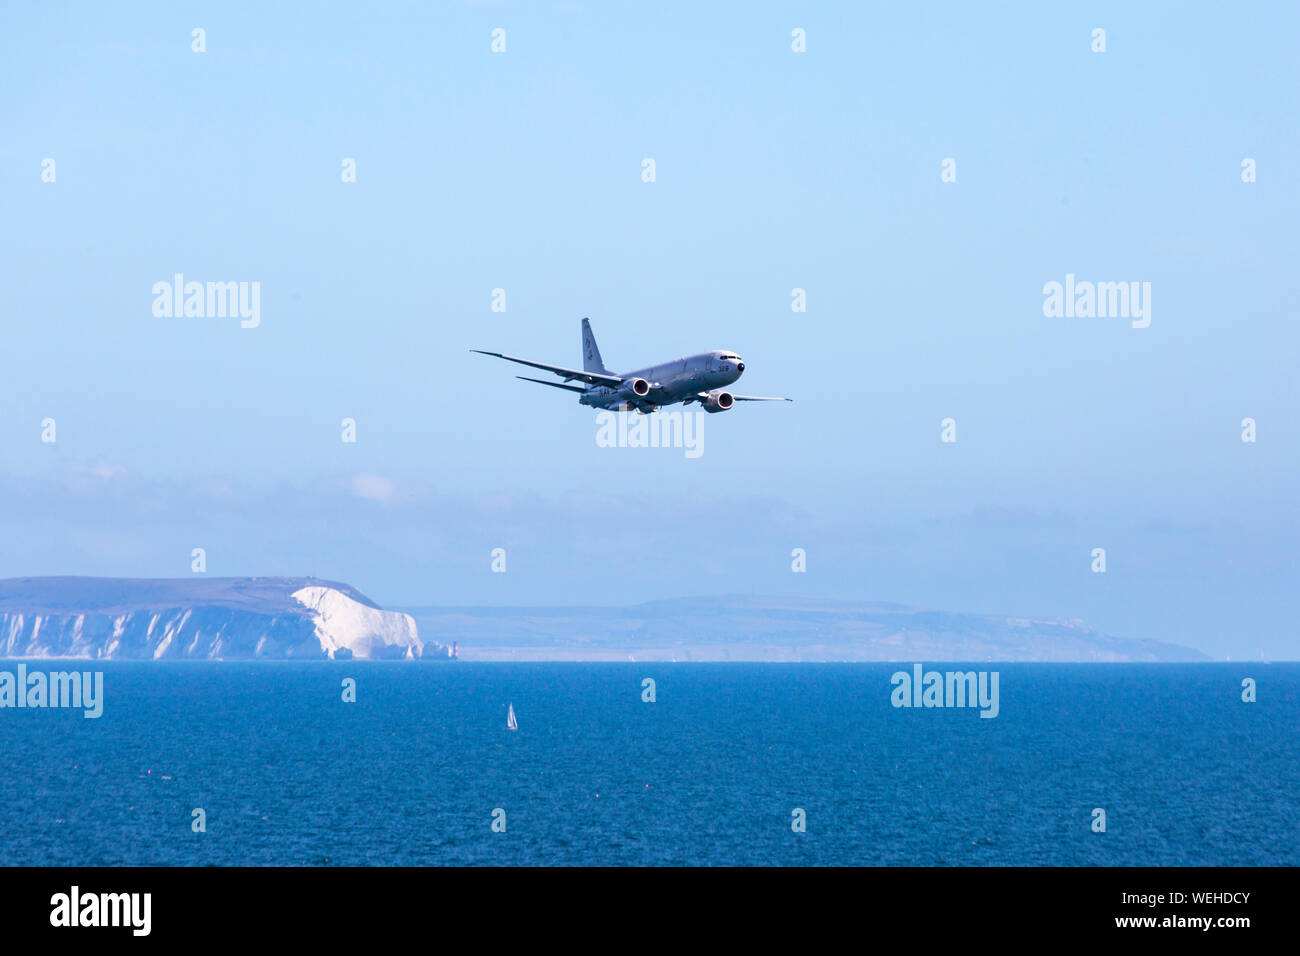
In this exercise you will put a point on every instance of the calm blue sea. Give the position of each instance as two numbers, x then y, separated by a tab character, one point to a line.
410	774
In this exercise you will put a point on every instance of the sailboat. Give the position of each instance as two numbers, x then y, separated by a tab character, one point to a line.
511	723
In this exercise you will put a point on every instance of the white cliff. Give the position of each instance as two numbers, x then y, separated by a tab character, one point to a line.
201	618
365	632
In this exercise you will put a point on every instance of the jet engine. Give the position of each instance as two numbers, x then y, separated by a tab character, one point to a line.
717	401
634	389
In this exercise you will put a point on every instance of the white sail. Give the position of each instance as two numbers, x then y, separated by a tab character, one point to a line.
511	723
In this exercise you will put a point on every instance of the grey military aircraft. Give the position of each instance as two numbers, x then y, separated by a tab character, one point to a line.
694	378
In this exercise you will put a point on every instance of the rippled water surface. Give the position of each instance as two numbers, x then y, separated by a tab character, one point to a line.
410	774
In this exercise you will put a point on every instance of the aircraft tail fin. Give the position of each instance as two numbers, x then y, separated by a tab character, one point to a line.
591	361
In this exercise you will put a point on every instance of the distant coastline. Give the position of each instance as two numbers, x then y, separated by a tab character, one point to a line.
282	618
778	630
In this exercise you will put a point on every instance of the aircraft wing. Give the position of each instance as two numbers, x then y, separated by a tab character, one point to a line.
701	396
569	374
542	381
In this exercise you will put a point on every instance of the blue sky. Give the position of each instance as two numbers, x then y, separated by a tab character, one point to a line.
775	170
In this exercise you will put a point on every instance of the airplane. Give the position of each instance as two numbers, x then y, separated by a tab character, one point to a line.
694	378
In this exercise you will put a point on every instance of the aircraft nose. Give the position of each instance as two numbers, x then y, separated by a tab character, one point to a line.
740	366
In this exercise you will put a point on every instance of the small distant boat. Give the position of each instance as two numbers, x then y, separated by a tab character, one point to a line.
511	723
